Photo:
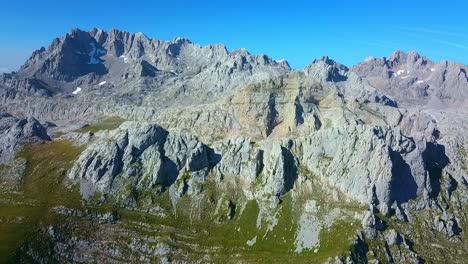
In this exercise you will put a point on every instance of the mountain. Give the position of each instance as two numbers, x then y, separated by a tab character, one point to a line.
120	148
413	79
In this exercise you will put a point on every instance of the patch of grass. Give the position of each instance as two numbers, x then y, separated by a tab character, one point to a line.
337	240
42	188
46	166
462	153
106	124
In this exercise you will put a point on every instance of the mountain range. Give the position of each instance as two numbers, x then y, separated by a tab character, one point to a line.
116	147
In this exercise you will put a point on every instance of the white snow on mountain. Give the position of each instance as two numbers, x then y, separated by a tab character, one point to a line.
125	59
78	89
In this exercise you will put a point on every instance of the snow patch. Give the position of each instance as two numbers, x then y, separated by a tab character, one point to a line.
432	69
280	61
404	77
102	83
419	81
78	89
370	58
94	54
125	59
400	72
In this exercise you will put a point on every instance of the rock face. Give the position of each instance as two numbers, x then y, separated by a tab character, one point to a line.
217	130
141	156
15	132
372	165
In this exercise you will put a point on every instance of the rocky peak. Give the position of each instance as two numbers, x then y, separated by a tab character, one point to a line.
75	54
412	78
328	61
326	70
80	52
412	58
99	35
181	41
396	56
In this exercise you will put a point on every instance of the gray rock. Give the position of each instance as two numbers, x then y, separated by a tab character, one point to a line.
141	155
371	225
411	78
447	224
15	132
240	159
371	164
393	238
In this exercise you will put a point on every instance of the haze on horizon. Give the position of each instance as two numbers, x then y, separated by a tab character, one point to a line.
296	31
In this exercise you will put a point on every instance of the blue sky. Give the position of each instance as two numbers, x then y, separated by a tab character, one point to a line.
297	31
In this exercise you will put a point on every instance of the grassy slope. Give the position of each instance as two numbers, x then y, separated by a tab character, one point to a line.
106	124
42	188
198	230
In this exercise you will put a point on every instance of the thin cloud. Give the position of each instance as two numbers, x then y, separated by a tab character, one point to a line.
449	43
437	32
431	35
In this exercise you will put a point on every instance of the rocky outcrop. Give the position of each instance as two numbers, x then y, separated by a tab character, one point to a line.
15	132
240	159
447	224
373	165
346	82
141	156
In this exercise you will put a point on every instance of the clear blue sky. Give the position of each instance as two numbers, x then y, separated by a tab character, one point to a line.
298	31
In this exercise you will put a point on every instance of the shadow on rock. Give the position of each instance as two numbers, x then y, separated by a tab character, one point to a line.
403	186
435	161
